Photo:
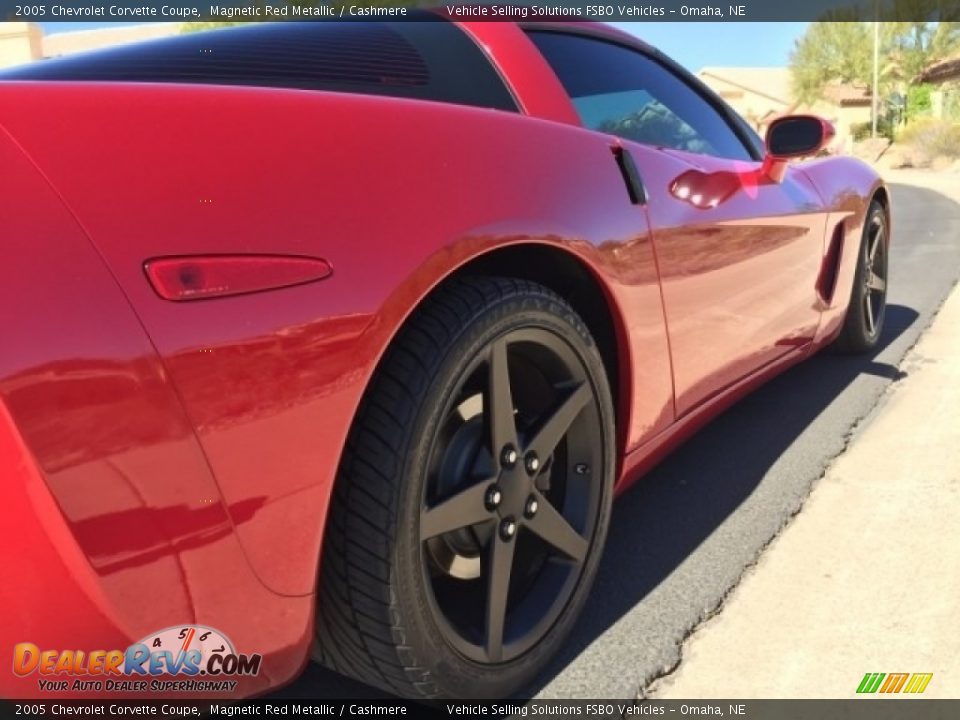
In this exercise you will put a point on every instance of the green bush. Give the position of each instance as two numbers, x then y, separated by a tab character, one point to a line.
862	131
919	102
932	137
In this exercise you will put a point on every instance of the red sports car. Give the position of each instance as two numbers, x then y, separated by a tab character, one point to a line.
341	338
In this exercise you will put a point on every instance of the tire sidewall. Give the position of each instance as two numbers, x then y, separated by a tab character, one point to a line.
854	336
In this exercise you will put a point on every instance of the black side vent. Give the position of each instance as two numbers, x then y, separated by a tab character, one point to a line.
827	282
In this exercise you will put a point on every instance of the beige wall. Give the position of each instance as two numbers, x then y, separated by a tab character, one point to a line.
751	105
73	42
24	42
20	43
760	94
843	117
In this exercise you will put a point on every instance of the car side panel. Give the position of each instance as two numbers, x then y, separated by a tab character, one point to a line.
846	186
115	526
739	258
395	194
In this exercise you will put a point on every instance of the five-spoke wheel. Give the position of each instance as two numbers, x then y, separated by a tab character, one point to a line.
875	274
511	502
474	497
868	299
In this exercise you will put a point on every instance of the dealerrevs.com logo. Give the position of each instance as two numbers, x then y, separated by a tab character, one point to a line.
190	658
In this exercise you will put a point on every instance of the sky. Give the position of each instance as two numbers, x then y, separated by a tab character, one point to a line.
693	45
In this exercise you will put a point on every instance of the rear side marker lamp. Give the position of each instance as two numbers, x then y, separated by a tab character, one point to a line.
199	277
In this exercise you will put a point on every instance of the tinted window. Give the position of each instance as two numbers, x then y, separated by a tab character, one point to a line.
425	60
625	93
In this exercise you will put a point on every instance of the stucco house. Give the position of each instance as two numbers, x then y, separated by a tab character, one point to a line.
945	75
20	42
761	94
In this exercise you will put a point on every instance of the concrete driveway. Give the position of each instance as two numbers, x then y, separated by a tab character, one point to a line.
867	578
683	538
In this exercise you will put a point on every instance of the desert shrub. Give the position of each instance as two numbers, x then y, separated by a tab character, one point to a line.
861	131
932	137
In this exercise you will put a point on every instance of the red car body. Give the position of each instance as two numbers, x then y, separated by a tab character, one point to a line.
170	463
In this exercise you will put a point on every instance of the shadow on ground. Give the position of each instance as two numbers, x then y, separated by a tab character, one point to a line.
698	487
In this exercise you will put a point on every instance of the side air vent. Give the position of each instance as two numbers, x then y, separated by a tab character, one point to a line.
827	282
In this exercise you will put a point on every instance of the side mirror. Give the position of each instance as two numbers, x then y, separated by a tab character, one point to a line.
795	136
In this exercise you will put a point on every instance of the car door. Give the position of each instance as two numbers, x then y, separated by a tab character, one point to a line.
738	252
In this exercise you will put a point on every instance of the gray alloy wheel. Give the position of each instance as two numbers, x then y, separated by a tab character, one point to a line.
868	301
472	503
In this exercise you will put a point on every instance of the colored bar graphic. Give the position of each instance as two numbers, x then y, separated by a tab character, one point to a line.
870	682
895	682
918	682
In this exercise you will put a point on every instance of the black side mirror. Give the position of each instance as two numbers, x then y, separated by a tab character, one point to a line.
796	136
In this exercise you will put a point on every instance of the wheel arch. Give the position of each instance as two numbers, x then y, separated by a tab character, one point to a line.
575	281
559	269
882	196
563	271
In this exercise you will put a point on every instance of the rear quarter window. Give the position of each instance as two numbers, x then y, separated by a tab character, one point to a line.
430	60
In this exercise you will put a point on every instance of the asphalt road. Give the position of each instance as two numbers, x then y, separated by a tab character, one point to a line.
683	536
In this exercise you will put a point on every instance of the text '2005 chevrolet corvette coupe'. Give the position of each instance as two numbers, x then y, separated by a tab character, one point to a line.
340	339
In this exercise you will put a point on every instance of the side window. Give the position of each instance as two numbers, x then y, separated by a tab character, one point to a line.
623	92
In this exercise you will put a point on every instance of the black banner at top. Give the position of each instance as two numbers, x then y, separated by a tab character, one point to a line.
105	11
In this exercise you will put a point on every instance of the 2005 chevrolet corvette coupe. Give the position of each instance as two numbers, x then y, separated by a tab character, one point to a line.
341	338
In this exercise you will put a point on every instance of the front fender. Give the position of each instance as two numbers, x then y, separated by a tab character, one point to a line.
847	186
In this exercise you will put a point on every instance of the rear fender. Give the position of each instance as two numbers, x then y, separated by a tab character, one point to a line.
395	195
113	526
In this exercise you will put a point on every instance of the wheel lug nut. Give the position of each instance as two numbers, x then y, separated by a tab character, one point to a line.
532	506
508	528
508	457
532	463
493	498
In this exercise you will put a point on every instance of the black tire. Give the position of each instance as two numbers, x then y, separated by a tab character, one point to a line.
397	585
863	323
